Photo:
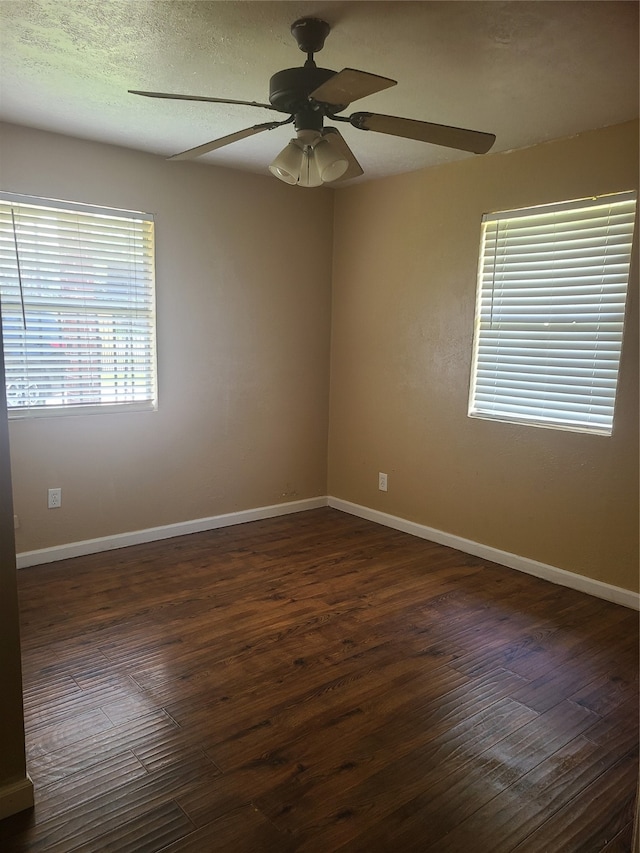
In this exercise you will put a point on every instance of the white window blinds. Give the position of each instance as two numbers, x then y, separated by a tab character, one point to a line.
551	303
78	306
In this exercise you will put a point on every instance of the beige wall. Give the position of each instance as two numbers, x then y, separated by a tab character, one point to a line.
243	297
404	281
244	274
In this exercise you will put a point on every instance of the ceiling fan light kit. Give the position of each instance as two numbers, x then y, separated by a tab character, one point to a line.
319	154
309	161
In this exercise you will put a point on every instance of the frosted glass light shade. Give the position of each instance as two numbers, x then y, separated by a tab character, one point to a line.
288	164
330	164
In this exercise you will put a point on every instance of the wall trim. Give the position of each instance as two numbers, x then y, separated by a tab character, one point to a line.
599	589
16	797
168	531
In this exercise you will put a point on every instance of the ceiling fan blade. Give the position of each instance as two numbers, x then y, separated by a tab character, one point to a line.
348	85
200	98
199	150
337	141
424	131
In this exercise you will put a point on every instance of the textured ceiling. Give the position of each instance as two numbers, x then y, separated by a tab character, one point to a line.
526	71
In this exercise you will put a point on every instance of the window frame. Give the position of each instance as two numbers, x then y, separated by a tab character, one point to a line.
496	365
119	304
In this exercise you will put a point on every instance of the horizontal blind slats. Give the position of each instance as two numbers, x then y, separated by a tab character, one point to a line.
551	303
86	285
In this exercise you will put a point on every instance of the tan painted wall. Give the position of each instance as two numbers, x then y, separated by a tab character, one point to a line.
12	755
243	287
404	281
244	270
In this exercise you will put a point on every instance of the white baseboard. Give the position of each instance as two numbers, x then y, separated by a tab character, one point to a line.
16	797
599	589
168	531
616	594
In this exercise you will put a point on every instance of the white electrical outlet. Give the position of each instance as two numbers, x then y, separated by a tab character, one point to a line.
54	498
16	522
382	482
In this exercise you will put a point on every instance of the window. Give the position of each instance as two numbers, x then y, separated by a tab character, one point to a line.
552	286
78	307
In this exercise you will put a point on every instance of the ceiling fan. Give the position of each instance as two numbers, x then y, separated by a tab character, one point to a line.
308	95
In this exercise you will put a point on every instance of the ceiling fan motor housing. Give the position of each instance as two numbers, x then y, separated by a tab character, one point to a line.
289	89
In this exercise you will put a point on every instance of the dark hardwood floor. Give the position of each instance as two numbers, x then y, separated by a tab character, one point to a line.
316	683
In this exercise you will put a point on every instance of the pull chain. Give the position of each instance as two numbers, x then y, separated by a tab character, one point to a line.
15	244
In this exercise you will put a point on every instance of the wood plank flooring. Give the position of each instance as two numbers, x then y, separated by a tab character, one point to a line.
317	682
